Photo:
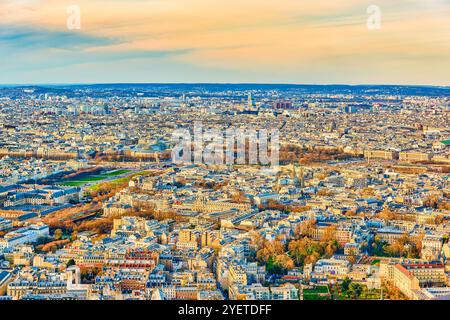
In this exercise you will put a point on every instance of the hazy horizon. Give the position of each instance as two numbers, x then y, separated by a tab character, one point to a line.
220	83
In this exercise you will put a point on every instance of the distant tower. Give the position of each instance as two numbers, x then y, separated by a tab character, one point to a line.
297	179
293	173
293	176
277	186
301	176
250	102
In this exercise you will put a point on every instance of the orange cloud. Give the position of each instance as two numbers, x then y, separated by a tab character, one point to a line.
284	35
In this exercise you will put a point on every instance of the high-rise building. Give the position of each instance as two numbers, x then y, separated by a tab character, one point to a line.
250	102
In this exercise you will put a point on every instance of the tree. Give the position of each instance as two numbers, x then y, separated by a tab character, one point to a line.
367	192
283	262
270	249
100	226
270	265
239	197
299	208
331	248
58	234
297	250
323	192
444	205
53	246
313	257
345	285
355	290
439	219
258	240
305	250
273	205
73	236
88	275
329	234
405	246
305	228
351	259
71	262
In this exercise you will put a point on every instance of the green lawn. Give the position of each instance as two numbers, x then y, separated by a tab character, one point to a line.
118	181
116	173
141	173
317	290
100	177
317	293
82	181
93	178
365	294
74	183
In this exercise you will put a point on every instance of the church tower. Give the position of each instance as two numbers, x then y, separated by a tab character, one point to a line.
297	179
301	177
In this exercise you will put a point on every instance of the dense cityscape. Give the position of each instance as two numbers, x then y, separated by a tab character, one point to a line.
94	207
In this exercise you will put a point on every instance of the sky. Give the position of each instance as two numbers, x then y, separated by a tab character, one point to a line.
225	41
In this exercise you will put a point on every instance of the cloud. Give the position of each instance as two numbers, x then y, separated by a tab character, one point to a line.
26	38
283	40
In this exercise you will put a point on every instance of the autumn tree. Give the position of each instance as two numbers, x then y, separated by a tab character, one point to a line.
329	234
444	205
58	234
305	228
367	192
405	246
272	205
283	262
73	236
351	259
270	249
305	250
439	219
239	197
100	226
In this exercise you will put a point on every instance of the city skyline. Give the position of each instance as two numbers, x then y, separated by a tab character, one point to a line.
168	192
251	42
223	156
